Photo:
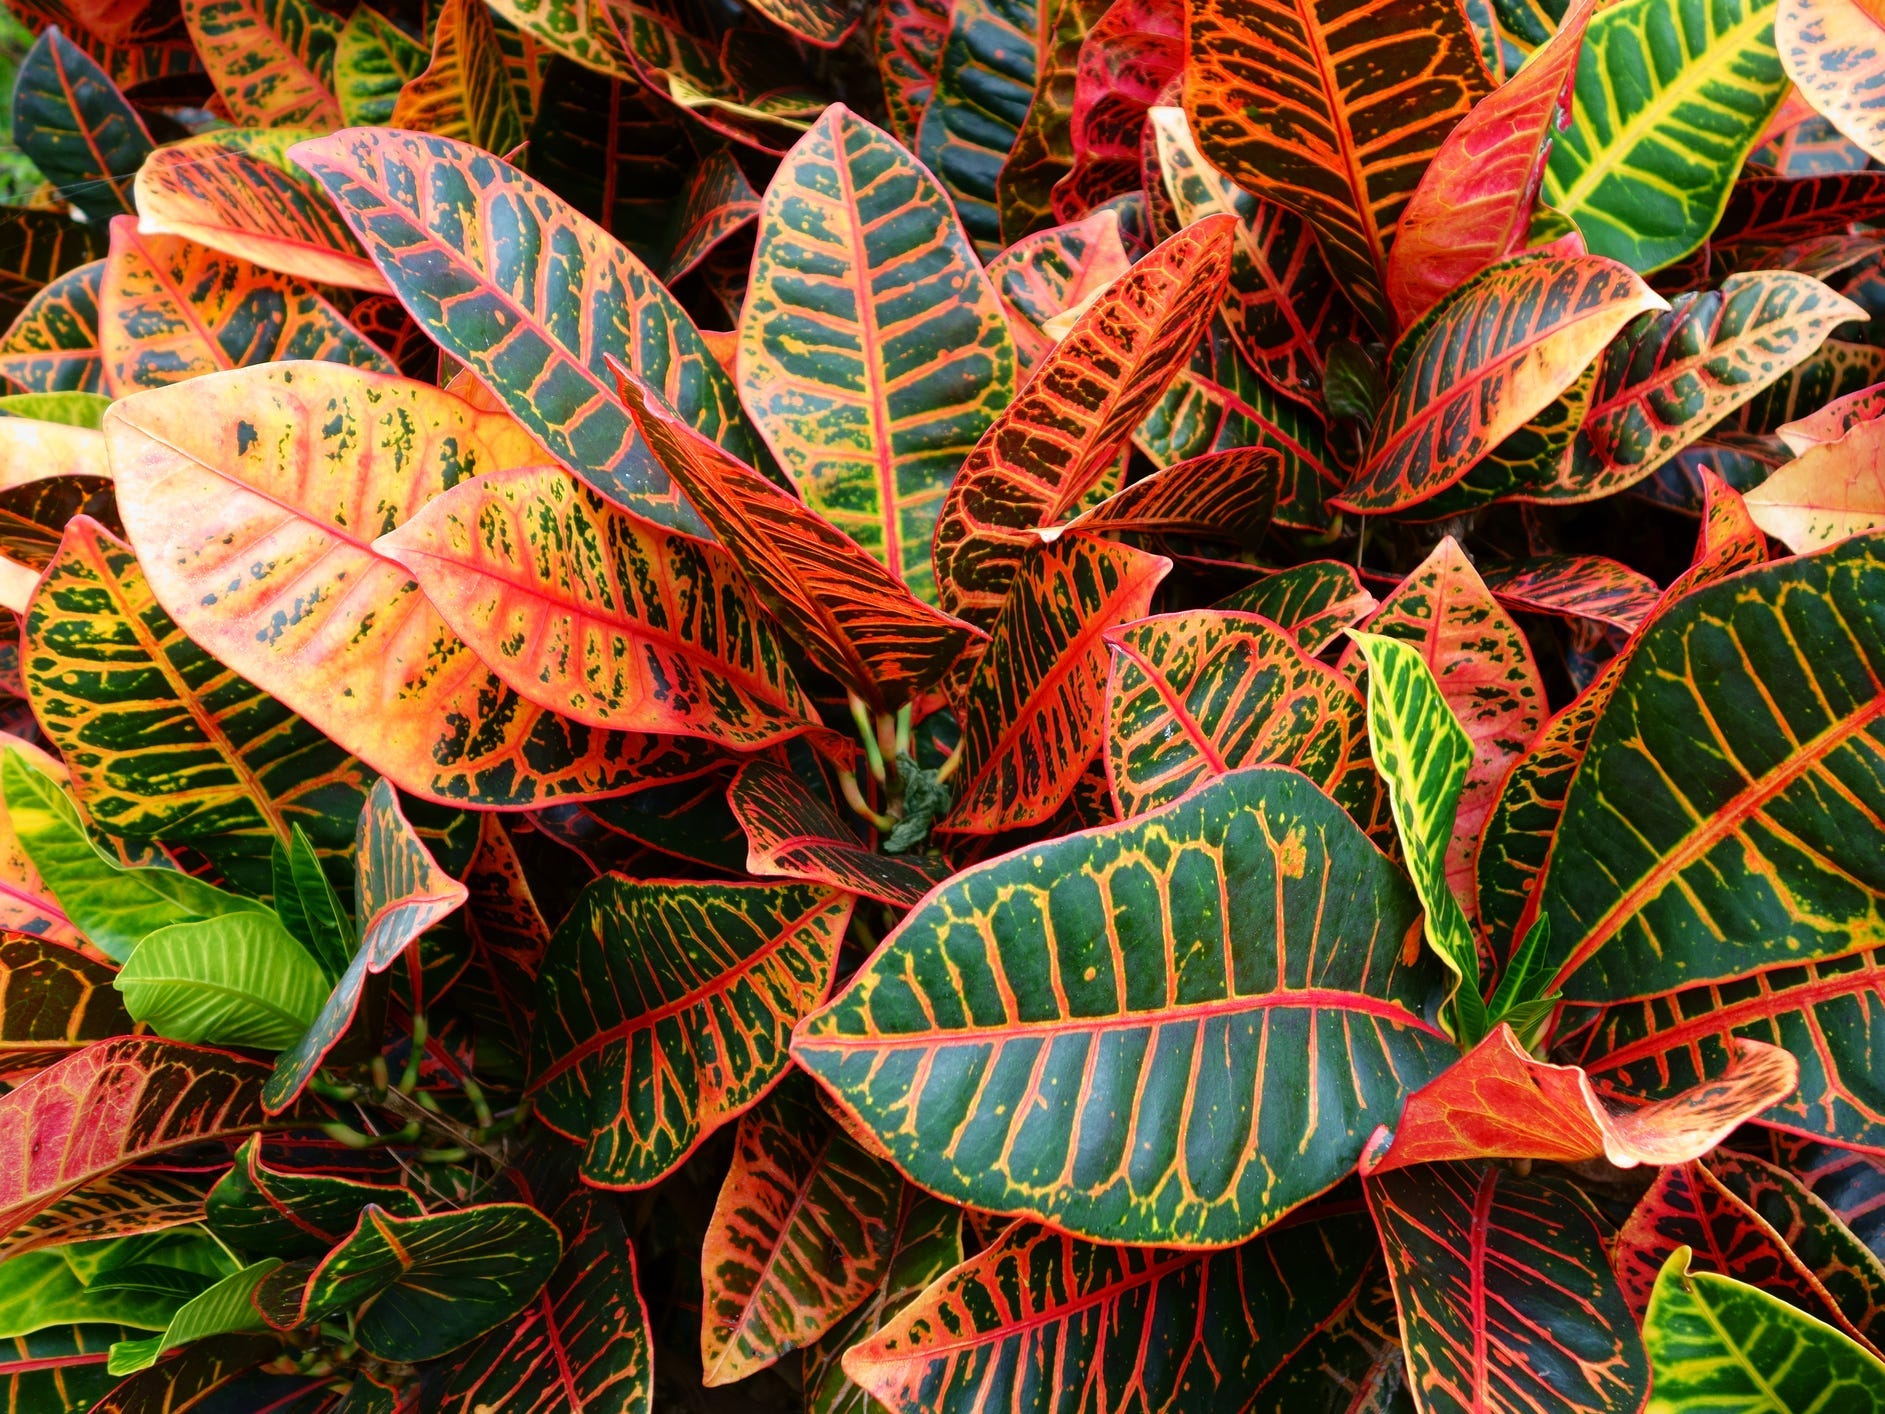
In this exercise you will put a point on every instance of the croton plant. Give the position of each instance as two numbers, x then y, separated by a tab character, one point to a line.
1002	706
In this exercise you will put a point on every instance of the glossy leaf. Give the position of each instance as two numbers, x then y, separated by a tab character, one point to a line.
1473	207
236	192
1482	363
223	1309
588	31
58	1371
1052	445
1039	1317
52	345
873	352
536	315
242	980
1833	50
1672	95
598	615
907	39
1783	838
284	1212
1833	491
373	59
800	1234
1576	586
744	84
791	832
1155	976
1135	49
1505	1293
1042	276
35	247
272	61
465	93
664	1010
984	84
79	131
171	310
54	999
1223	496
1042	152
1313	602
222	1365
397	688
134	1200
1285	102
1037	701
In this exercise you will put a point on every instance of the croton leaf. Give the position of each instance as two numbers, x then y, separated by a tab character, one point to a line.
239	980
52	345
599	615
222	1308
1054	442
1482	362
58	1371
465	93
111	1104
1225	496
1473	207
1785	840
222	1365
35	246
742	83
272	61
1042	151
873	352
1505	1292
1194	695
140	1199
235	191
54	999
1833	51
1834	420
907	39
718	203
1219	1026
588	31
1832	491
284	1212
1715	1342
1038	1313
161	739
192	486
792	832
1048	273
853	617
1312	602
984	84
1280	93
540	299
80	132
1672	95
1575	586
1135	50
1038	695
800	1234
373	59
584	1339
664	1009
170	310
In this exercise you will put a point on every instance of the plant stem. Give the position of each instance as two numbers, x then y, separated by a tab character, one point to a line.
854	797
867	733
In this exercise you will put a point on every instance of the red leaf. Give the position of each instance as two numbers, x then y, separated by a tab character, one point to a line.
1137	48
1575	586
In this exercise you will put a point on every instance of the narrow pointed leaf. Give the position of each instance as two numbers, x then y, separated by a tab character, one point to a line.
984	85
1672	95
599	615
79	131
1833	50
1280	94
54	999
979	1040
1223	496
373	59
907	38
399	688
1050	447
132	1201
272	61
1313	602
1037	702
52	345
1833	491
534	309
1505	1293
873	353
1050	272
465	92
223	1309
1575	586
799	1236
664	1011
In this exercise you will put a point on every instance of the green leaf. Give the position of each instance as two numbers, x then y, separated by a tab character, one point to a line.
1423	753
74	409
1109	1031
236	981
1313	602
224	1309
307	905
284	1212
52	345
59	1371
1717	1344
53	1287
113	906
81	133
984	85
1671	96
373	59
272	61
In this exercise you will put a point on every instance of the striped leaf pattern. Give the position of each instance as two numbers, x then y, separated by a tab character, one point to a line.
1050	272
1285	101
873	352
747	86
907	40
1506	1296
315	460
170	310
1312	602
1038	1315
35	247
853	618
1194	695
162	739
1482	363
1575	586
599	615
718	203
60	1370
1135	50
984	84
539	301
133	1200
79	131
1785	839
373	58
465	93
1055	441
1042	152
1223	496
587	31
288	1212
52	346
54	999
1672	95
664	1010
1190	956
272	61
800	1235
1036	705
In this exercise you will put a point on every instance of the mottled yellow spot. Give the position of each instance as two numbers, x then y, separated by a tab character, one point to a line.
1291	857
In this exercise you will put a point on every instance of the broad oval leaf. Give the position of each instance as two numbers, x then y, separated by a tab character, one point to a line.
52	345
242	980
1672	95
399	688
1833	51
80	132
1482	363
599	615
1669	830
1287	102
664	1010
1832	491
1172	990
272	61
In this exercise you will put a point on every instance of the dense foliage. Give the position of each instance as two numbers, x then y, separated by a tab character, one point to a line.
1012	705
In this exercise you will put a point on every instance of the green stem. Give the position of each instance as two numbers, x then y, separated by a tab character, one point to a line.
854	797
867	733
415	1057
